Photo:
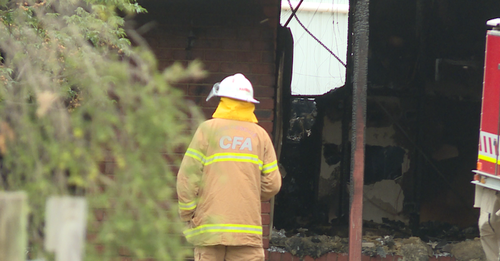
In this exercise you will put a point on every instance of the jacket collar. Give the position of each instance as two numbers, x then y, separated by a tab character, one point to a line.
232	109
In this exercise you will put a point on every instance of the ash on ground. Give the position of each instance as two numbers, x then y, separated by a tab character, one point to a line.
439	239
302	245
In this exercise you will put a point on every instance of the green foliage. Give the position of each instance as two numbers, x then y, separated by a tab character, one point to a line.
76	96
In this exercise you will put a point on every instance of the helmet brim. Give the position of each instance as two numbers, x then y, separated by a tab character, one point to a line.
213	92
253	101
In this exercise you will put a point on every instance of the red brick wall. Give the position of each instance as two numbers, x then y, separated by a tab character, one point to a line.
231	37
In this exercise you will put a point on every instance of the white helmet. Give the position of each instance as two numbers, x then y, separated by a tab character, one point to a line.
234	86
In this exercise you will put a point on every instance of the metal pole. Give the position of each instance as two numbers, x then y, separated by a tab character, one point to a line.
360	65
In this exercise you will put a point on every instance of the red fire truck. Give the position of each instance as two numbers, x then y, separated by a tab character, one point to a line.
488	171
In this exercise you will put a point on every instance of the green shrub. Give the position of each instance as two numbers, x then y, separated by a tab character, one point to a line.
74	95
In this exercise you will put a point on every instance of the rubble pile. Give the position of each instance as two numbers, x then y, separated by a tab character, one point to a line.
387	239
414	249
470	250
302	245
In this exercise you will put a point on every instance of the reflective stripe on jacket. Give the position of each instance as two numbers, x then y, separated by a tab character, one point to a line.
228	169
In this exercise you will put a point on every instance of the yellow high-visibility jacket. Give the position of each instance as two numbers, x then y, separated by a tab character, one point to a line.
228	169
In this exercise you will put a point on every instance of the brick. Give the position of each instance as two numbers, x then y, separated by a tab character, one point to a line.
179	54
109	167
211	66
263	45
265	104
262	68
250	33
201	101
99	248
268	126
172	158
248	21
212	103
220	56
213	78
195	54
180	86
275	256
271	11
268	35
163	64
268	57
264	115
433	258
321	258
179	42
208	43
397	258
90	237
286	257
179	149
260	92
342	257
163	54
266	255
265	242
387	258
174	169
99	214
207	112
265	230
232	68
221	32
265	80
187	55
102	167
199	90
253	78
273	23
266	219
331	256
266	207
365	258
123	251
237	44
249	56
308	258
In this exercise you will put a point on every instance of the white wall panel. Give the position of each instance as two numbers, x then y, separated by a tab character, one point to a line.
315	70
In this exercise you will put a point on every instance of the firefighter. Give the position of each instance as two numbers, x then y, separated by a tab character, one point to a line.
228	169
488	201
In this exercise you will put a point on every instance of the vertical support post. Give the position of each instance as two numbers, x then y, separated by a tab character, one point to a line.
360	62
278	127
413	204
13	226
65	225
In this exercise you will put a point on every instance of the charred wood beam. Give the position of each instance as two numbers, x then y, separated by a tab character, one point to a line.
360	72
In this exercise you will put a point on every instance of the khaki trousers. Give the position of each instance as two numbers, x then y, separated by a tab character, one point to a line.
228	253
